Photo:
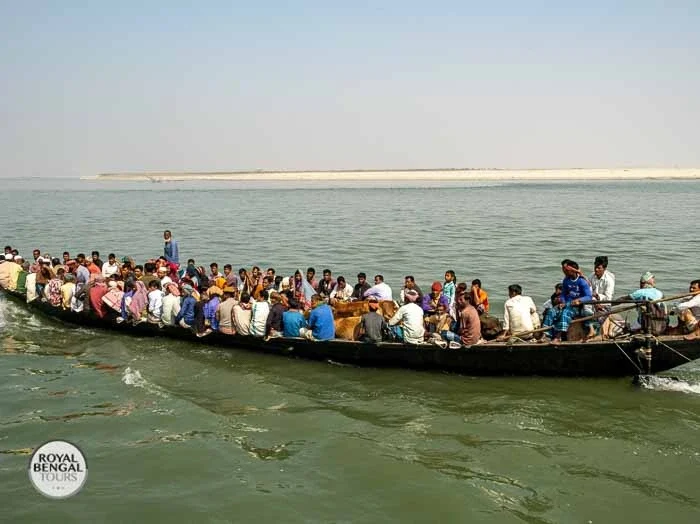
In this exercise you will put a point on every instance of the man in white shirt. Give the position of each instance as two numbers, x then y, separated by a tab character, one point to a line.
379	290
689	311
110	267
407	322
520	314
602	282
170	306
341	292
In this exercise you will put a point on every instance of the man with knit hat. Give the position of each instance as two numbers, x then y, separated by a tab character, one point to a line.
372	324
432	300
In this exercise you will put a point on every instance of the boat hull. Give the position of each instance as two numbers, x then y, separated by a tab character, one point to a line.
591	359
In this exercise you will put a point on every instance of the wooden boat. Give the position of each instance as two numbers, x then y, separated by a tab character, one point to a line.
627	357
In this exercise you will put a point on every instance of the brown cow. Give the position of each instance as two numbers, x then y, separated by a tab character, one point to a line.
347	317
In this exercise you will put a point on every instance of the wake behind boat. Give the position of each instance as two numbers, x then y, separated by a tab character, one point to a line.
635	355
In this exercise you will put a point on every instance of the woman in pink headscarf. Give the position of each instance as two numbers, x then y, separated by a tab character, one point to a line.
97	291
138	301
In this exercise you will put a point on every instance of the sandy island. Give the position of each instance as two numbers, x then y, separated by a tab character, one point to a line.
415	174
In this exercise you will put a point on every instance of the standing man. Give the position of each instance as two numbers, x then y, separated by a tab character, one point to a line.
170	250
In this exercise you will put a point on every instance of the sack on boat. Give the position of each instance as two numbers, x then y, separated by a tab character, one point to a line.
491	326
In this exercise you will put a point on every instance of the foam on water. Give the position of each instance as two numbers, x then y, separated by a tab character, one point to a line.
669	384
133	377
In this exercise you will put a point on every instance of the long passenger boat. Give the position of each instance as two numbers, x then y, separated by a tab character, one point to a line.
631	356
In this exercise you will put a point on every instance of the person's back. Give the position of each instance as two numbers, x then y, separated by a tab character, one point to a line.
225	314
171	307
469	325
292	322
67	290
520	314
410	316
260	311
241	319
372	325
321	322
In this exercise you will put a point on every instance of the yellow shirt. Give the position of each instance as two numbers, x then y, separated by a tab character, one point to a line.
67	294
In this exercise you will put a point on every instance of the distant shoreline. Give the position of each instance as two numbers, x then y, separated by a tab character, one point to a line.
412	174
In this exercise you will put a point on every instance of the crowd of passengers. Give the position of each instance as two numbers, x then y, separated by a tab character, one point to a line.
166	293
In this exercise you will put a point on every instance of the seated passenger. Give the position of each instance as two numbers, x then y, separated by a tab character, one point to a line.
321	326
602	283
480	299
242	315
185	317
440	322
469	323
657	312
67	290
409	282
372	324
155	302
432	300
52	291
689	311
97	292
273	325
224	313
171	305
380	290
358	292
407	322
259	314
293	320
342	292
520	314
576	293
326	285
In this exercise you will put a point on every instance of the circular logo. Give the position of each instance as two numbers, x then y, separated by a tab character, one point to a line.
58	469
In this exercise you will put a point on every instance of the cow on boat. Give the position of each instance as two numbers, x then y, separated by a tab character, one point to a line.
347	316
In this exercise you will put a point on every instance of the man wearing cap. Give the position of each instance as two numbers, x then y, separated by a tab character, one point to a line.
432	300
372	324
407	322
163	276
171	251
380	290
648	291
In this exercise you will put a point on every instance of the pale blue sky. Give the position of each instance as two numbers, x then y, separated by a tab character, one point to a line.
305	85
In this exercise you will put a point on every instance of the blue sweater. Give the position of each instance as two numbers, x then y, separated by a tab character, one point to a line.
186	311
171	252
321	322
292	322
573	289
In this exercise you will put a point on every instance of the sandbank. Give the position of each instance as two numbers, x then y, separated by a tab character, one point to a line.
414	174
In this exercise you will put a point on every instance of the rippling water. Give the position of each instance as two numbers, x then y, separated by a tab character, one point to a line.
182	433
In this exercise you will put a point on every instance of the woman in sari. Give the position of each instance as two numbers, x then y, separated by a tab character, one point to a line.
302	289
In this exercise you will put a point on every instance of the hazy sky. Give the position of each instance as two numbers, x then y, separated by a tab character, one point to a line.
121	86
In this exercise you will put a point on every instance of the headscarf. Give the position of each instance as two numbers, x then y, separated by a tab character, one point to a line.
304	287
173	289
187	290
215	290
139	300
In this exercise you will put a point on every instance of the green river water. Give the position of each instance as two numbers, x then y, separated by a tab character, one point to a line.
179	433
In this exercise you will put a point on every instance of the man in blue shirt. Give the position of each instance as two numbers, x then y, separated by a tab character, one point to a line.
321	326
171	251
575	294
292	320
